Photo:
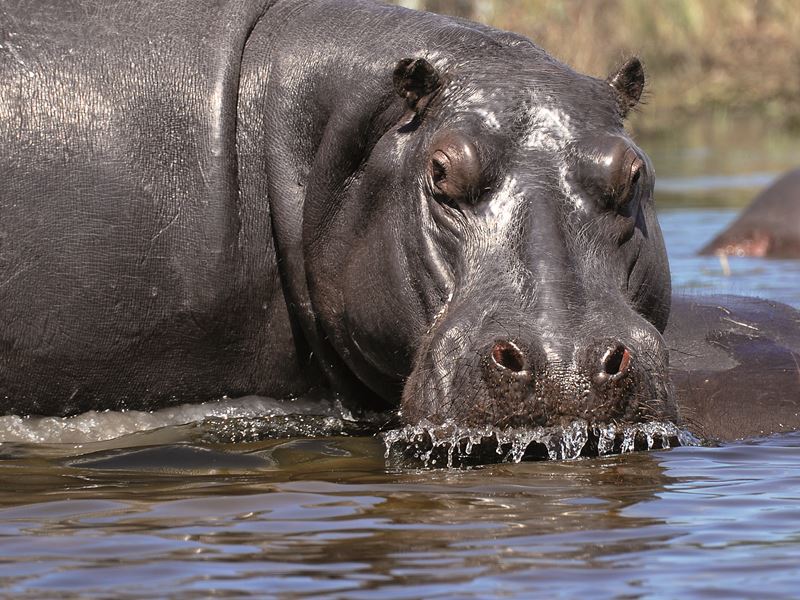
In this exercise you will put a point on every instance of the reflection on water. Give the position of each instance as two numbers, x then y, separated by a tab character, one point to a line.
198	508
326	517
718	162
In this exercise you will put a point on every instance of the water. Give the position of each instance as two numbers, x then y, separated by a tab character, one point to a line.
706	174
326	518
200	501
686	231
452	446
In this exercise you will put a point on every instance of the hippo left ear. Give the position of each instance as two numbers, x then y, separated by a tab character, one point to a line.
415	79
629	83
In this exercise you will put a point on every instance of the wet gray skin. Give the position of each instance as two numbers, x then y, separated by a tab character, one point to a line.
291	198
544	277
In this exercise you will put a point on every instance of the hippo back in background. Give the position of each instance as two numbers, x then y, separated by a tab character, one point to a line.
769	227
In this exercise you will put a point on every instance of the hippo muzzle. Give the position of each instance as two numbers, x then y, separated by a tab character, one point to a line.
540	331
508	372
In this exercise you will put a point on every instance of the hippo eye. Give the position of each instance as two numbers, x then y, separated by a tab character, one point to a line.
439	165
454	169
614	172
633	182
630	175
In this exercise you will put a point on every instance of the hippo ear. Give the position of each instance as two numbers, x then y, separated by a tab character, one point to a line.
629	83
415	80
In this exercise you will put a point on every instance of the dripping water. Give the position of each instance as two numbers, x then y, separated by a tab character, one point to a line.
450	445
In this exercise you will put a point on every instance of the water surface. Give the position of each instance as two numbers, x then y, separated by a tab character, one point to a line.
328	518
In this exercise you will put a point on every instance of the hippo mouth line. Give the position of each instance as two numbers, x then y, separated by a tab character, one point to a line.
454	446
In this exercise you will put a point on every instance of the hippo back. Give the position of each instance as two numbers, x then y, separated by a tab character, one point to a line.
120	225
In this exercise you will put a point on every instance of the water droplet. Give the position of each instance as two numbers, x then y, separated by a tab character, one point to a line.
451	444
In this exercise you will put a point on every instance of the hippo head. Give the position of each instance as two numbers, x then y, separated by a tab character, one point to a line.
493	256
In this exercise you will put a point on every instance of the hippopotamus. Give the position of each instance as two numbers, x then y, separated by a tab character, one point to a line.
735	365
203	199
769	227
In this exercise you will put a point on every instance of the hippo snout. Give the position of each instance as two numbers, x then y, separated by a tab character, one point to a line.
511	382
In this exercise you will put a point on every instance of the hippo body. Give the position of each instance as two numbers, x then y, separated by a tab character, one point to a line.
735	365
203	199
768	227
138	269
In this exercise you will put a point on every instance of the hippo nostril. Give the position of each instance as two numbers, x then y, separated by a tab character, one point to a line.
616	361
508	356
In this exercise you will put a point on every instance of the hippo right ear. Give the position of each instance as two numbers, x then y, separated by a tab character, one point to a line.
628	81
416	80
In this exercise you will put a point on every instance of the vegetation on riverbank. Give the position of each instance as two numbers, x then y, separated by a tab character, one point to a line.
709	56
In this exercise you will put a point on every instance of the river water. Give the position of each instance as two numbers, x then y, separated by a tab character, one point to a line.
203	504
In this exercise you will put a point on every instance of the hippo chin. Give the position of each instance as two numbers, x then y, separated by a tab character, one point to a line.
262	197
769	227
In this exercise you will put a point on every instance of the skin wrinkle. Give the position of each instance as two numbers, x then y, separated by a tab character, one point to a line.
460	366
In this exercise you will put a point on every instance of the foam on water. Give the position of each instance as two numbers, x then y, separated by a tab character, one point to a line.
95	426
450	444
253	418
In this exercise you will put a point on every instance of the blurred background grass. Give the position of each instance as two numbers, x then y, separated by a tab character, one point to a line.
709	58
